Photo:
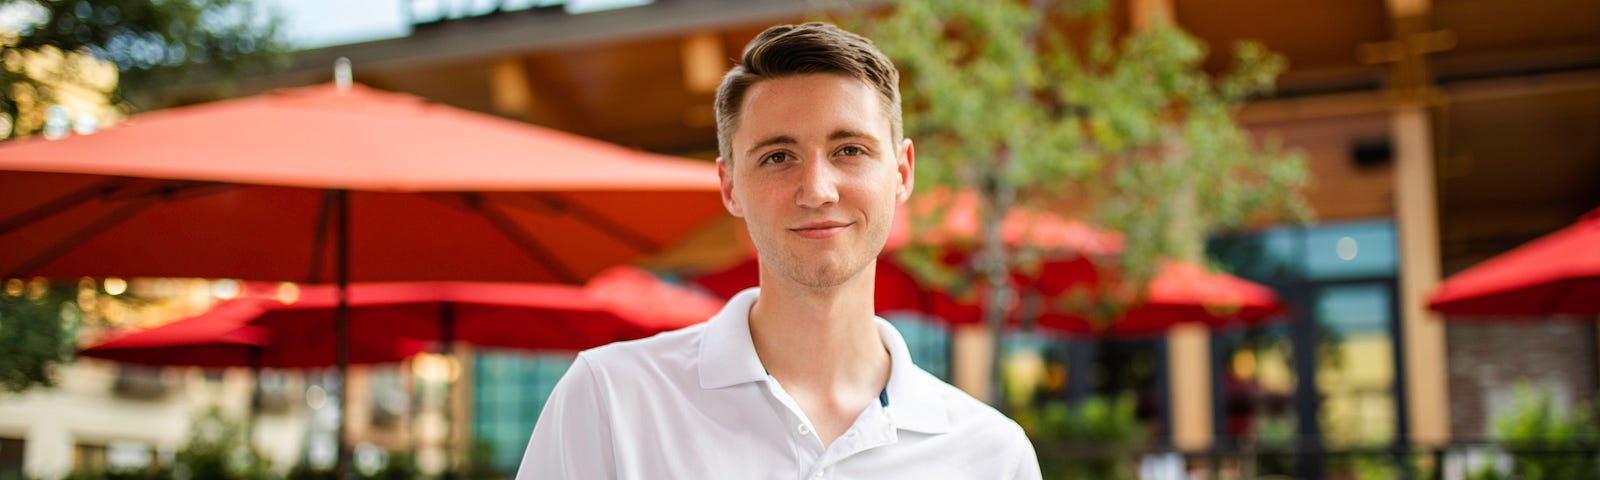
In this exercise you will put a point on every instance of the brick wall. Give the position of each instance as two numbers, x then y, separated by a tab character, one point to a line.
1487	360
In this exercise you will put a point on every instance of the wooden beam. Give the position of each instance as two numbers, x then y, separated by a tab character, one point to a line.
1315	107
508	88
704	61
1147	14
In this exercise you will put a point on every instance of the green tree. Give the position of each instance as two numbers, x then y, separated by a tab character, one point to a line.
218	447
38	330
1546	442
1026	112
1104	432
153	44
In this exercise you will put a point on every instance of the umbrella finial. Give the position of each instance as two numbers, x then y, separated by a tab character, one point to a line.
341	74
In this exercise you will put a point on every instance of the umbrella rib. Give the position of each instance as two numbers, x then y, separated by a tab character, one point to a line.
320	240
83	235
173	190
528	245
1564	288
62	203
633	238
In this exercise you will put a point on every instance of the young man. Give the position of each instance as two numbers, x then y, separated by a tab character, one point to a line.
796	378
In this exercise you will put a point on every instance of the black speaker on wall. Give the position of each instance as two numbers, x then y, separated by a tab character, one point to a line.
1372	153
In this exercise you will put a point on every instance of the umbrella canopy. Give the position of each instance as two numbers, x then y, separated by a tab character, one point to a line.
1180	292
339	183
1558	273
1183	292
248	188
621	303
221	338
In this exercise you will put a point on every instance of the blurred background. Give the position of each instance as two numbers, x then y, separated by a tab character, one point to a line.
1396	143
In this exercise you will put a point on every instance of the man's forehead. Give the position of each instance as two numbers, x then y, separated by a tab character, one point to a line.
811	107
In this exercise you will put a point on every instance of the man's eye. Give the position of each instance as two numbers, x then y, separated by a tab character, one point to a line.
776	157
852	151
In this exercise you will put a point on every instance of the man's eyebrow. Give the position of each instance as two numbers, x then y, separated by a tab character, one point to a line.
843	134
778	140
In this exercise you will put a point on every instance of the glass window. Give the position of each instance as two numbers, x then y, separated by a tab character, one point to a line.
927	341
1350	250
509	392
1354	309
11	454
1344	272
1356	371
390	402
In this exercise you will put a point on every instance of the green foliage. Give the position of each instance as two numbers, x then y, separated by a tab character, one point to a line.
153	43
400	466
1378	467
302	471
144	474
1534	423
1025	113
480	462
1275	432
1106	430
38	331
218	448
1488	472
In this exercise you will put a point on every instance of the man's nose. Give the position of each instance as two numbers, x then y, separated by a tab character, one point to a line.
818	184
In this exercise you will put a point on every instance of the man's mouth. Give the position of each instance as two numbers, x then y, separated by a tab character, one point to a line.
821	230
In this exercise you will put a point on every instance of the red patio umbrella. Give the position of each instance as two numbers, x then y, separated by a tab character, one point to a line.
221	337
1180	292
1558	273
621	303
1183	292
336	183
252	188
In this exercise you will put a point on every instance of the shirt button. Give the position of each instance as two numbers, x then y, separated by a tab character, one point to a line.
804	430
822	473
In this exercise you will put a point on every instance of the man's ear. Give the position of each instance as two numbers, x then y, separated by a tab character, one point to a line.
725	177
907	169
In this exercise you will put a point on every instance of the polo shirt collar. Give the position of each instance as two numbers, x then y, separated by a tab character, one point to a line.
728	357
727	354
915	401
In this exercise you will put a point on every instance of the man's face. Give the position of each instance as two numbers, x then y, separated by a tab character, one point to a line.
816	176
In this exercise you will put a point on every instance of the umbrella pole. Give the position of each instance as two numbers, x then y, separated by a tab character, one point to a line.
342	326
447	339
255	398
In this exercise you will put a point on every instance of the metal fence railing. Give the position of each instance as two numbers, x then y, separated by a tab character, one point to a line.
1454	461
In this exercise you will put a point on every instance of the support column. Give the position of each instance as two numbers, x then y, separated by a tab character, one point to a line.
972	348
1189	364
1417	218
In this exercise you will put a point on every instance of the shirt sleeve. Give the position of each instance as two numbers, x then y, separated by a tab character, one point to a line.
572	439
1027	467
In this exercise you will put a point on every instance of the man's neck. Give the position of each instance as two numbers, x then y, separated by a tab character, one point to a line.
821	340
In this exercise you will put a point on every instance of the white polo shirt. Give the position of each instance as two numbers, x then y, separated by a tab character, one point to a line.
696	404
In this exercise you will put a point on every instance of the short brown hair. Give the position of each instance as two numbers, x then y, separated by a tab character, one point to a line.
788	50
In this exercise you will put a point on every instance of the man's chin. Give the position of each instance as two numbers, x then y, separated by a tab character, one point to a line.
822	275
